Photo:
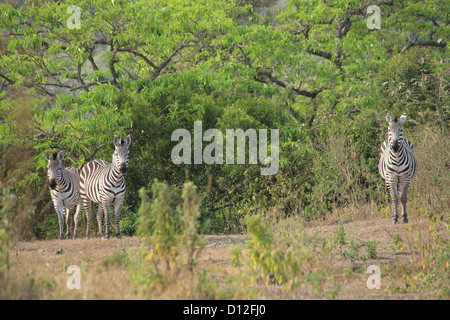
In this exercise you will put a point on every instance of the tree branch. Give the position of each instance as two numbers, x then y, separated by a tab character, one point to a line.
6	78
94	152
89	85
167	60
310	94
439	44
320	53
260	75
140	55
435	21
111	63
91	60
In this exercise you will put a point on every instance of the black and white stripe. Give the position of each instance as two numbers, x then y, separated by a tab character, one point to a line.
104	183
65	191
397	165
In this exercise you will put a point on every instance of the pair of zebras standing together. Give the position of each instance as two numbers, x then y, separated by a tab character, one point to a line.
98	181
104	182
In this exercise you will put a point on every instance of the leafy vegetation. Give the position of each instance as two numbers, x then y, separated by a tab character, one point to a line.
314	70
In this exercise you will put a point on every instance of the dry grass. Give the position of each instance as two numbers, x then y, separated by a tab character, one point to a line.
105	276
41	260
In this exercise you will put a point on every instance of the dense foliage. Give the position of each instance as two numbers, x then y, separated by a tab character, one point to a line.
313	69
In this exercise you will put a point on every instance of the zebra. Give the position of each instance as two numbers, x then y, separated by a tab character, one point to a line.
104	183
64	184
397	165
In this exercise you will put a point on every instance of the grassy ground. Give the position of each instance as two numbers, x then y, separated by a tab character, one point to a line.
413	261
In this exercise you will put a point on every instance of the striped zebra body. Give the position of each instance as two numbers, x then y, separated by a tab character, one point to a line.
397	165
104	183
65	192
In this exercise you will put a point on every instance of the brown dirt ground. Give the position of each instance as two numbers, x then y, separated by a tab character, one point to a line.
46	263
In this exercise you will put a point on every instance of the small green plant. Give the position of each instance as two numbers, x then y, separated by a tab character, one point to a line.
340	233
371	246
4	253
157	225
317	278
398	242
171	243
13	285
7	209
191	240
266	260
128	222
260	247
207	285
236	257
333	293
119	258
353	253
432	255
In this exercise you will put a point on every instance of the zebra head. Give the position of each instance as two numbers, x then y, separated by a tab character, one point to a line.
54	167
395	131
120	155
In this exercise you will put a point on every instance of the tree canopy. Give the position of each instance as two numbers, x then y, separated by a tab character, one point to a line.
72	77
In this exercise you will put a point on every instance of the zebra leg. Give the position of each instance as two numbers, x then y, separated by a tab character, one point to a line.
105	206
403	199
100	220
392	185
118	209
77	220
69	223
88	206
60	211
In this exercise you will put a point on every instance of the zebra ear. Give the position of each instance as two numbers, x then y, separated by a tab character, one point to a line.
128	141
116	141
402	118
47	155
388	117
61	155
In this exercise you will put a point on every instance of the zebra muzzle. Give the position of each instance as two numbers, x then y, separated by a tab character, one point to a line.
52	184
123	168
395	146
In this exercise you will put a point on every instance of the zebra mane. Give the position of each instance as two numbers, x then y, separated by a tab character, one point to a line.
121	141
395	118
55	154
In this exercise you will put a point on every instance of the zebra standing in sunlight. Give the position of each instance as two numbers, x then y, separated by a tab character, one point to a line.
65	191
398	164
104	183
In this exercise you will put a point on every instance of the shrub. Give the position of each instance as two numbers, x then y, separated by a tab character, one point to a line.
157	226
191	240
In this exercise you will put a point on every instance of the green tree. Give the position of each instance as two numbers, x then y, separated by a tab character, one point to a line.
150	67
